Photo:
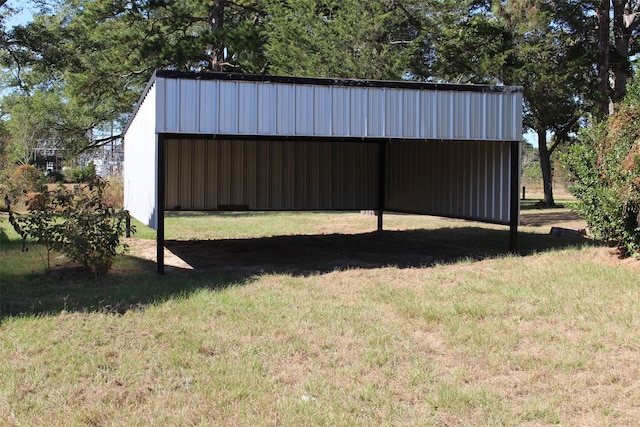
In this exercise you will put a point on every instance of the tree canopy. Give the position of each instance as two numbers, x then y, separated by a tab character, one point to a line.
551	49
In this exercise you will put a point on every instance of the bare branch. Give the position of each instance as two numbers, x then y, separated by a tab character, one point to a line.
99	143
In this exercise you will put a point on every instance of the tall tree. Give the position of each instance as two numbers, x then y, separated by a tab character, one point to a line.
99	54
349	38
626	23
618	28
540	45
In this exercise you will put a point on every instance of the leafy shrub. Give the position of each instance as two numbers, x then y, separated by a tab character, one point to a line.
83	174
55	176
77	223
604	168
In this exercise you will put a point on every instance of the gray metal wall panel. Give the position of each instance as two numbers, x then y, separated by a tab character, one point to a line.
228	104
341	112
375	112
393	112
248	101
462	179
494	117
189	101
171	106
411	114
443	111
264	108
208	107
140	166
476	117
270	175
286	110
357	118
322	110
304	110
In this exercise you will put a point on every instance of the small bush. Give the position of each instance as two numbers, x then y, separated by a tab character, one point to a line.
55	176
83	174
76	222
604	170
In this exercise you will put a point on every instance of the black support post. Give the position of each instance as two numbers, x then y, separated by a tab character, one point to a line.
382	169
514	218
160	199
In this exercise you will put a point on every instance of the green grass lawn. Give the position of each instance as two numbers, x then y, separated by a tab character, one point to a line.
549	337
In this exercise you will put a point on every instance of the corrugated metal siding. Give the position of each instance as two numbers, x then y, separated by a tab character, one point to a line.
270	175
462	179
140	167
264	108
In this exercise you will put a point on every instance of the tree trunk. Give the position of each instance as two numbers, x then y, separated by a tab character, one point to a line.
625	21
545	165
216	22
602	14
621	67
216	19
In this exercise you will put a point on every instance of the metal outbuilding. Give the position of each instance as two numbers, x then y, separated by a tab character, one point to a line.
224	141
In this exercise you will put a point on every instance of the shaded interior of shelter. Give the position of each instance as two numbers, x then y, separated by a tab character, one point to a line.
322	253
461	179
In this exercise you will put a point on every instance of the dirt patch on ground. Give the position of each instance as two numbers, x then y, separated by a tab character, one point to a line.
611	256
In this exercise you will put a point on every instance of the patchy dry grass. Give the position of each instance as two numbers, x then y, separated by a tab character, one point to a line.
542	339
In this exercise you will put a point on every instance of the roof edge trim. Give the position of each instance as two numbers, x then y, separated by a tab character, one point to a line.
392	84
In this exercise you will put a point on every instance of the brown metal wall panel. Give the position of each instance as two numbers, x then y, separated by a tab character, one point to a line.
199	182
289	180
463	179
313	159
326	172
172	198
185	174
263	190
212	176
250	182
276	177
238	172
225	151
271	175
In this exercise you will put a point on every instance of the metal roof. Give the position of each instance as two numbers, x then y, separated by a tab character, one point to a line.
239	104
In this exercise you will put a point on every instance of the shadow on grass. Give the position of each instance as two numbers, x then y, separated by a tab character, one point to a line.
218	264
318	254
